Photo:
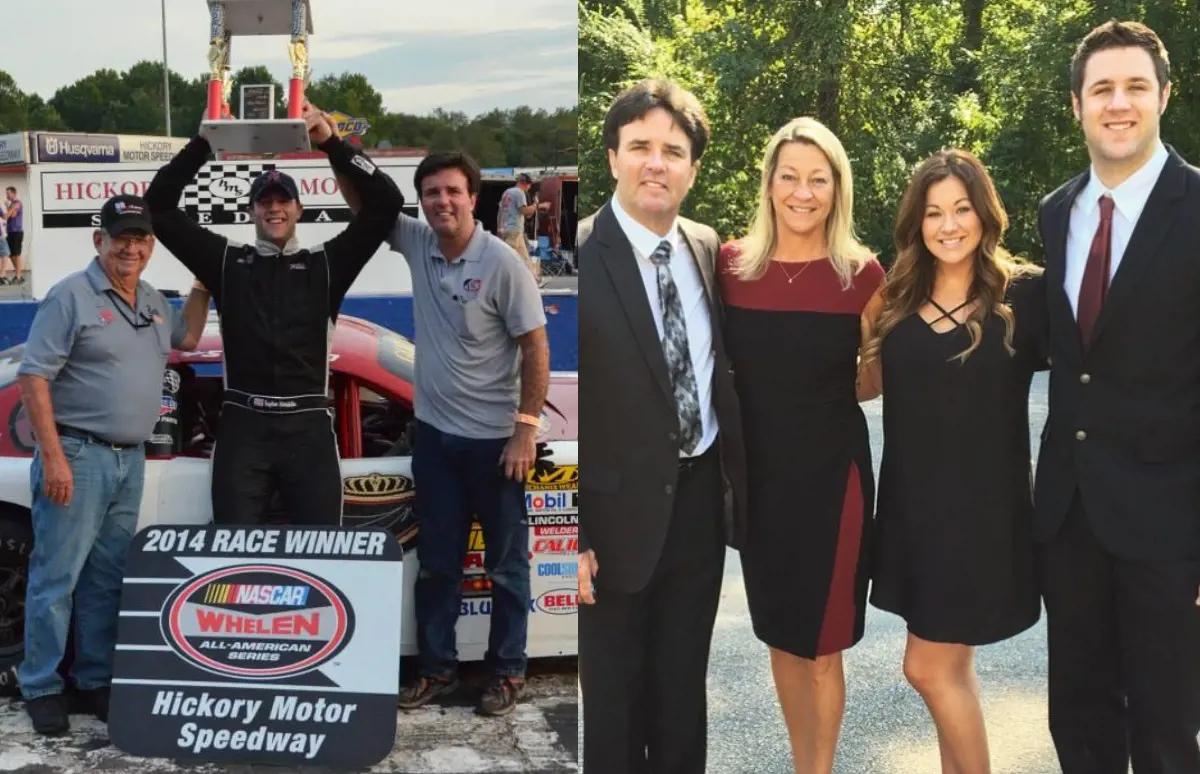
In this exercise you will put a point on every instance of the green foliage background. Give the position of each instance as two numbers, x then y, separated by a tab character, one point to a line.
895	79
111	102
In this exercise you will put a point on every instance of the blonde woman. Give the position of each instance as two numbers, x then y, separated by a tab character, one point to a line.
796	291
958	338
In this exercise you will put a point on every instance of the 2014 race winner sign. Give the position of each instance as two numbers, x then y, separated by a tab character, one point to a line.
260	644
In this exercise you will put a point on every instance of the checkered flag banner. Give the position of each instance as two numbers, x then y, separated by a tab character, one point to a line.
222	189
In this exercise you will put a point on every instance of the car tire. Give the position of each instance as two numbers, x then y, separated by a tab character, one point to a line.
16	544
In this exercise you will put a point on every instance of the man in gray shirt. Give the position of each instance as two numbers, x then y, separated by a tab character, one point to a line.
510	221
91	379
482	371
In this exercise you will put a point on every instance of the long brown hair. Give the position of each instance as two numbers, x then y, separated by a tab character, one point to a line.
910	280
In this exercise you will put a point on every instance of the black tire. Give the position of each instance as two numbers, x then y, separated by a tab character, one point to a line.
16	544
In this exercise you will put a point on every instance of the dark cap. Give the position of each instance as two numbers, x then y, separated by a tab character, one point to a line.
273	178
524	178
125	213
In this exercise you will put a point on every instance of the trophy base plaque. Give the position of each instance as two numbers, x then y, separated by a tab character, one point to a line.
261	136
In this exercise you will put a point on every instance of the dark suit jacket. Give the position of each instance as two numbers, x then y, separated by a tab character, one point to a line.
629	447
1124	425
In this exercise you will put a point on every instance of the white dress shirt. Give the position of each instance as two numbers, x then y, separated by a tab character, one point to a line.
1129	199
695	309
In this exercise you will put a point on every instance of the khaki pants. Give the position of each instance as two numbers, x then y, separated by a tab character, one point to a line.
516	240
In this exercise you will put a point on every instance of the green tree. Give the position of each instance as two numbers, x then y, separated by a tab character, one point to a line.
895	79
108	101
21	112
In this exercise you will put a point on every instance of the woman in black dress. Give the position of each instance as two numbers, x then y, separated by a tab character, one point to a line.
795	292
956	344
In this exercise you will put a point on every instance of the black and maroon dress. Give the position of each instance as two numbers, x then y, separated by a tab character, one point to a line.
794	348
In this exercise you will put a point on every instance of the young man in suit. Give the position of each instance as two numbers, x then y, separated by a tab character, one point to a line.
661	445
1118	479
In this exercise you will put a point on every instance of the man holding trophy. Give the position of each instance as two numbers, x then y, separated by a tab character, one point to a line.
277	302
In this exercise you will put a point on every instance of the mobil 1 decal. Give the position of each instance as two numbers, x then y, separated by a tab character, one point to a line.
275	645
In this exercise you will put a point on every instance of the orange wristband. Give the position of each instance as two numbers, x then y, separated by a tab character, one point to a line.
527	419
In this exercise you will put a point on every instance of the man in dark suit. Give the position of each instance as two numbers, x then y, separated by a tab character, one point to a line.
661	446
1118	479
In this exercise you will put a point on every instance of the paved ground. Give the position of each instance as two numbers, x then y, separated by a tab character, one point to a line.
16	292
887	729
539	737
562	283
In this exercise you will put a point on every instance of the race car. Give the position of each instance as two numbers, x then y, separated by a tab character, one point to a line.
371	393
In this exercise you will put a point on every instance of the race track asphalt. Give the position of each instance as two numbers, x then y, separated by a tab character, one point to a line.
539	737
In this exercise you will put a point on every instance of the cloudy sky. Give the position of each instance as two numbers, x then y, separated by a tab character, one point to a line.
465	55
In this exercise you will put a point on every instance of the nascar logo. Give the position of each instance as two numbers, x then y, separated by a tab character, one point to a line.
248	594
217	621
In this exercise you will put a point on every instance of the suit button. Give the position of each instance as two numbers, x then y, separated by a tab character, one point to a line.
1085	378
672	436
668	489
1080	435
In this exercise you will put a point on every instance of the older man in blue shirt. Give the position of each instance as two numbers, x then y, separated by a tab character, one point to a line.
91	380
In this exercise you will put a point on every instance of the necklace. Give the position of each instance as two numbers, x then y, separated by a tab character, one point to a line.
793	277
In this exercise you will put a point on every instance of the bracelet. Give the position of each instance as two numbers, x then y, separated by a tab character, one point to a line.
527	419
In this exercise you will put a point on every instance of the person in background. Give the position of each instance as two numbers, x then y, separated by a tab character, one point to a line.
5	252
960	332
510	223
91	379
798	291
15	218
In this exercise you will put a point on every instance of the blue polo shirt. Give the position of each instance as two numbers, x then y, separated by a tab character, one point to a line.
103	358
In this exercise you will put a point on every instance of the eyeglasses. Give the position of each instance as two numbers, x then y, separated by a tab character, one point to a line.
131	240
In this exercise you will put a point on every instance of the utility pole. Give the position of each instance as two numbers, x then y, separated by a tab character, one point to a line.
166	70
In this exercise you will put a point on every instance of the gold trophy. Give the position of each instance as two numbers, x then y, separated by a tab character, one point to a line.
261	133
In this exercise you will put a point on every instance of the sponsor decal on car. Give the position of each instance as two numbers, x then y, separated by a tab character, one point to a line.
554	530
555	479
556	545
476	606
555	520
551	502
558	569
557	602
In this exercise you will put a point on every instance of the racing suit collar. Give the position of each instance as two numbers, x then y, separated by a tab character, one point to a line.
265	247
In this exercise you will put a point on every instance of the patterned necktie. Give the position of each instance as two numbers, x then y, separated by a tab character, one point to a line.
1095	274
675	349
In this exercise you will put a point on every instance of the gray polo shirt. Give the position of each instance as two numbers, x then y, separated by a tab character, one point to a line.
511	219
468	315
104	360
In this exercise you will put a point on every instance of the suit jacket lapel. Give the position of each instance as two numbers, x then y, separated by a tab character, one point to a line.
1160	211
621	264
703	263
1057	227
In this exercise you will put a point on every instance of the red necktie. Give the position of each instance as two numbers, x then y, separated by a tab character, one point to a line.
1095	276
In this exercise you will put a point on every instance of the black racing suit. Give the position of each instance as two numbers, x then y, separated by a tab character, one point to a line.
277	312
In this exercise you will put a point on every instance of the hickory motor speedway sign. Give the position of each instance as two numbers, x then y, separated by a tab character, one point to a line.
275	645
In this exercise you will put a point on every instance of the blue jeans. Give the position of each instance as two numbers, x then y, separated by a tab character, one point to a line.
458	478
79	549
